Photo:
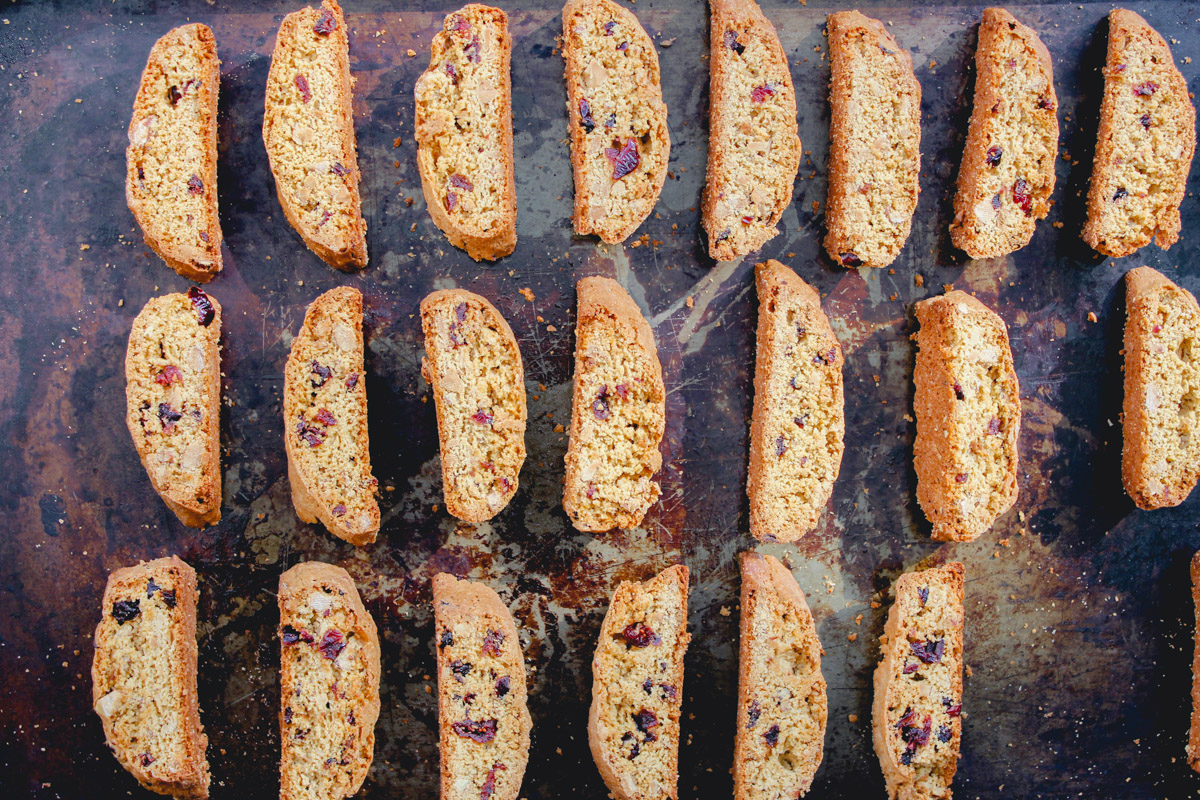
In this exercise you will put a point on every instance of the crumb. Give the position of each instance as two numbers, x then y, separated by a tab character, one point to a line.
527	293
816	206
725	611
551	329
1056	224
690	302
668	42
396	142
85	247
853	637
948	287
1092	317
412	53
408	201
559	428
919	279
853	718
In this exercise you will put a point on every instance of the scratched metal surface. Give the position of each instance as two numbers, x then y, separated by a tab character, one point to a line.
1077	639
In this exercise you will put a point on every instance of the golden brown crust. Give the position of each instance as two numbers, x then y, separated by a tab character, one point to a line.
1193	743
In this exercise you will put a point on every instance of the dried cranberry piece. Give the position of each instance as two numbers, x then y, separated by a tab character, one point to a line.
761	93
339	510
314	436
612	120
731	41
1022	197
958	391
352	380
625	160
451	201
482	731
461	182
168	417
910	716
747	220
483	417
637	746
447	639
622	391
752	714
287	715
325	418
302	86
471	49
489	783
639	634
325	216
916	737
332	644
944	733
322	372
491	642
600	409
168	597
826	358
923	594
909	669
772	736
800	420
151	588
996	201
780	446
147	759
459	23
591	490
503	685
452	73
125	610
1145	89
326	23
608	27
461	669
623	46
204	237
850	259
961	477
929	651
585	115
195	185
994	154
202	305
906	757
954	710
723	235
1120	194
646	720
170	374
993	427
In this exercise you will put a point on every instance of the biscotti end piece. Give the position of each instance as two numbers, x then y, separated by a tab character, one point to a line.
483	715
325	420
917	709
799	412
1193	744
968	409
328	684
171	160
782	701
173	401
754	149
637	687
620	143
144	677
618	412
1145	144
473	364
875	143
1160	461
308	129
1007	172
464	133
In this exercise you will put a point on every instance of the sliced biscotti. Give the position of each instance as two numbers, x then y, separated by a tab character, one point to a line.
1145	143
875	143
1160	460
782	702
917	709
328	684
173	401
1007	172
799	412
171	160
618	412
968	409
144	677
1193	743
473	364
308	128
483	717
464	133
325	420
753	149
637	687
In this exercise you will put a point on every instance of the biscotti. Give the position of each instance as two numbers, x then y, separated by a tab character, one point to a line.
464	133
144	677
483	717
618	412
171	160
473	364
637	687
753	148
799	411
1160	460
875	143
968	409
1007	172
325	420
782	702
328	684
1145	143
917	710
173	401
1193	744
308	129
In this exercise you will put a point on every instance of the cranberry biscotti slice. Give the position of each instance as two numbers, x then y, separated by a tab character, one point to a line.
328	684
144	677
968	409
782	701
875	143
325	420
473	364
753	148
619	138
483	715
464	133
637	687
171	160
799	412
1160	460
173	401
1193	744
618	412
308	129
1145	144
1007	172
917	709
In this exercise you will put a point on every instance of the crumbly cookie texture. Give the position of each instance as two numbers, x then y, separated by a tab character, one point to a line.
782	702
799	419
483	715
637	687
473	364
619	138
308	129
754	149
1193	743
1160	461
464	133
917	709
968	409
875	143
618	412
1007	172
171	160
1145	144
